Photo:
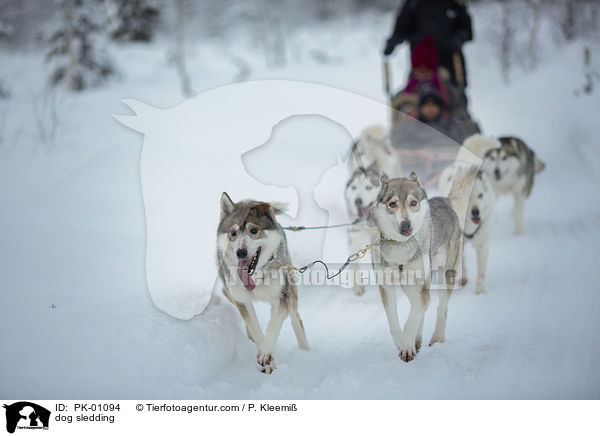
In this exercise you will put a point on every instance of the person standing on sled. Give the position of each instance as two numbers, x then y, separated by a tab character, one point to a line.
447	21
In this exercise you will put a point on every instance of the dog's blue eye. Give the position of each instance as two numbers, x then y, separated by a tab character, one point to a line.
254	230
480	195
354	188
368	188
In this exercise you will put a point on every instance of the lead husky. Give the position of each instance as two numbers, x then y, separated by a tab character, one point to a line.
418	236
512	168
251	243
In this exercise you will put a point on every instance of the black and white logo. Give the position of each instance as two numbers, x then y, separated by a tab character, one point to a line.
26	415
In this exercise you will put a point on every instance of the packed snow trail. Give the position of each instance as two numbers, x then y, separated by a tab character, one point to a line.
532	335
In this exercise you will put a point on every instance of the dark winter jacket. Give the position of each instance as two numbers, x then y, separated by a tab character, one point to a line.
447	20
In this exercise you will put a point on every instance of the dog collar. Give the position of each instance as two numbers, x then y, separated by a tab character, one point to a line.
383	239
476	230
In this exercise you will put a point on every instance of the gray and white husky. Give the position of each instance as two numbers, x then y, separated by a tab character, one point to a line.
512	168
251	247
370	157
419	236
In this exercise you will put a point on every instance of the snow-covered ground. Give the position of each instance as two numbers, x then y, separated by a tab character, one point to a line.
77	321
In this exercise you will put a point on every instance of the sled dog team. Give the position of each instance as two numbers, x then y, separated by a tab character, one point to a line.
415	235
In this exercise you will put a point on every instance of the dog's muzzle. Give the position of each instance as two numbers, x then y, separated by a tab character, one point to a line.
475	215
362	209
405	228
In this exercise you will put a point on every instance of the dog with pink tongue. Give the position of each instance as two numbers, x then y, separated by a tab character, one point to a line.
251	249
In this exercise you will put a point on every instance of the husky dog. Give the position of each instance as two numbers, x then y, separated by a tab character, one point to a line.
512	168
370	156
361	194
251	244
372	149
477	217
418	236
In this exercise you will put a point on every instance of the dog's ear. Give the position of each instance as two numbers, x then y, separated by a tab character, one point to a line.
226	205
382	175
414	177
263	209
279	207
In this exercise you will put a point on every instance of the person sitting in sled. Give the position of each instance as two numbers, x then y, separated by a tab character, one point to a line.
455	126
424	71
431	106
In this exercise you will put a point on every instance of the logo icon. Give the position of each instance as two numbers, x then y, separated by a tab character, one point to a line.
26	415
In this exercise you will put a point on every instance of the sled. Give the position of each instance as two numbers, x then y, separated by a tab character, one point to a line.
420	147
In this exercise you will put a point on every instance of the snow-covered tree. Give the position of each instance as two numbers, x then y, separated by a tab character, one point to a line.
132	20
5	32
71	48
179	49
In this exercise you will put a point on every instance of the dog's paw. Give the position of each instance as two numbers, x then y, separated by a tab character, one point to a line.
266	362
359	291
436	339
479	290
407	353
